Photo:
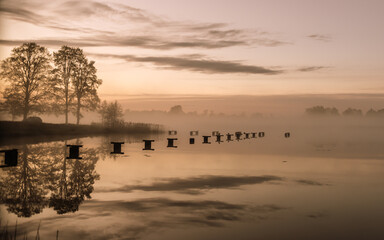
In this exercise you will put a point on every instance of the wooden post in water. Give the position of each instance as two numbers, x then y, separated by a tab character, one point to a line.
229	137
9	158
218	138
74	151
238	135
171	142
206	139
148	145
117	147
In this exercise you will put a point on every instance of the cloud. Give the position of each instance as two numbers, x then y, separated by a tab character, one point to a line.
148	42
113	24
311	182
47	42
311	69
195	64
320	37
24	12
196	185
266	42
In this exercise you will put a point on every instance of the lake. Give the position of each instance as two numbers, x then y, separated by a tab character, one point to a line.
320	184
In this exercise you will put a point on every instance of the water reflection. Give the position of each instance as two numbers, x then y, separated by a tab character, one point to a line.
73	181
24	188
44	170
141	218
243	188
196	185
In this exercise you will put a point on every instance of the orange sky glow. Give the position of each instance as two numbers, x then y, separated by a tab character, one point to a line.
216	47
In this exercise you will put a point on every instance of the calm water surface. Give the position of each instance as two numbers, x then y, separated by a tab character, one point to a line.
308	186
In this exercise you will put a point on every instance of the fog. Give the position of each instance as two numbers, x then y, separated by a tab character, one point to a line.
344	136
266	106
277	105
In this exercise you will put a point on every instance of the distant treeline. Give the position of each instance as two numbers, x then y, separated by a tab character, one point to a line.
37	81
177	110
350	112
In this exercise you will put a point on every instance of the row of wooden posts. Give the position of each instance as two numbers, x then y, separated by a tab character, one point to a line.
10	156
74	149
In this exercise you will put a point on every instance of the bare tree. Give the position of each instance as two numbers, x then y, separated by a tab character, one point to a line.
65	64
27	73
85	84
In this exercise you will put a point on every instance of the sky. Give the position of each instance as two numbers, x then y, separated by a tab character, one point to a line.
211	48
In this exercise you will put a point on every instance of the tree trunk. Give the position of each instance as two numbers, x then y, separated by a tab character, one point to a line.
25	112
26	106
66	114
66	108
78	111
66	101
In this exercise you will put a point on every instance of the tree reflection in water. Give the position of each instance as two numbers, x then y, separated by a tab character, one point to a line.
45	177
74	181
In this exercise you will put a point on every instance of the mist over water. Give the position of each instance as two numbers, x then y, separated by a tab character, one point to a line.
324	181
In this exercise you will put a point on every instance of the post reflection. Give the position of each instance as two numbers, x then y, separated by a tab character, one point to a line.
45	177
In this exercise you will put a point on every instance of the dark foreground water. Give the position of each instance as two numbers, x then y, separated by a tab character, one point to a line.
309	186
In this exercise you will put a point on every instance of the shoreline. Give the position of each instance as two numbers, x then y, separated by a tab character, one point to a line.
15	132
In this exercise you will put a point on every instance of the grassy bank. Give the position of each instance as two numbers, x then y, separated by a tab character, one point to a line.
11	131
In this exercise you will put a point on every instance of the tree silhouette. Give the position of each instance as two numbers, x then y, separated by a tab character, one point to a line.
12	104
111	114
85	84
65	64
373	113
322	111
27	73
23	188
353	112
176	110
74	182
42	170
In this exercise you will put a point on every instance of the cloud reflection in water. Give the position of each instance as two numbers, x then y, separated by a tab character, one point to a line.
196	185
